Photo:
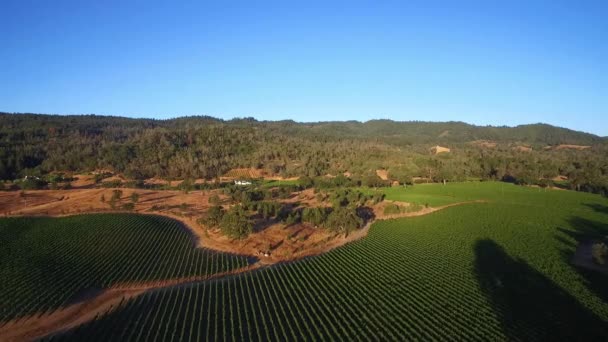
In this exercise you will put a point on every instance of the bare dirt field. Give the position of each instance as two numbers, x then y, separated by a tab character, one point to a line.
383	174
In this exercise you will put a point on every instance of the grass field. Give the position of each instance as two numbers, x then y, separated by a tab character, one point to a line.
486	271
46	263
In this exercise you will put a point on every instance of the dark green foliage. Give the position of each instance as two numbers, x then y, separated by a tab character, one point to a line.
236	223
186	185
134	197
316	216
373	181
214	216
343	220
268	209
31	184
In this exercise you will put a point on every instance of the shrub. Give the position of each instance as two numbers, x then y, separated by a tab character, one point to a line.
128	206
392	209
599	251
235	223
214	216
343	220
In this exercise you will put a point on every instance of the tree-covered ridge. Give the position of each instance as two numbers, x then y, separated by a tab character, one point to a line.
205	147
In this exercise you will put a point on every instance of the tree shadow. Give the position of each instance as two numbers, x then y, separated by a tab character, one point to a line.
530	306
598	207
586	232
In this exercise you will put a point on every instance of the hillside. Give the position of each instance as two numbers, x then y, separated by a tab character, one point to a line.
206	147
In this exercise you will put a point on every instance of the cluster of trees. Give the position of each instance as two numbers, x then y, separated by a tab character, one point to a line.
204	147
234	222
347	213
116	198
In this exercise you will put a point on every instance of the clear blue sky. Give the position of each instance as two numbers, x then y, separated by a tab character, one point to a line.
485	62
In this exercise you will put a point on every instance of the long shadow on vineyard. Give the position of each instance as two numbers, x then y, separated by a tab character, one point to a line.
530	306
585	232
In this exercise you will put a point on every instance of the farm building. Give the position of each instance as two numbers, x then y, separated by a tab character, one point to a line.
242	182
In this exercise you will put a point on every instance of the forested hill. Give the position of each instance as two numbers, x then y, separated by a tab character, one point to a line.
206	147
419	132
409	132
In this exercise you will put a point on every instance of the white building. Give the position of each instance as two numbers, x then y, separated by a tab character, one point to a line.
242	182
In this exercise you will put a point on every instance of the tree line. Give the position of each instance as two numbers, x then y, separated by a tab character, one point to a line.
204	147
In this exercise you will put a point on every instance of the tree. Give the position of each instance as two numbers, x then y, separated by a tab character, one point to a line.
315	216
134	197
236	223
599	251
214	216
343	220
116	194
186	185
215	200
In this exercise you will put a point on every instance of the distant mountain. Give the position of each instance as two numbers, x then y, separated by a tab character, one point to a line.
389	131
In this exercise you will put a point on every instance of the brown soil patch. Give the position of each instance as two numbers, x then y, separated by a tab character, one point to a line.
444	134
572	147
424	211
383	174
522	148
559	178
76	201
113	178
439	149
36	326
484	143
83	181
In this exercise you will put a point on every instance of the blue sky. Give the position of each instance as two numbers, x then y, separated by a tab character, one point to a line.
485	62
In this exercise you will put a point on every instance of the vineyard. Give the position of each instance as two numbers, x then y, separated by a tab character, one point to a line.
486	271
243	173
47	263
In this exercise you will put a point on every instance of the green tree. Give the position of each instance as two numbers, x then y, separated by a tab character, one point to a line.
214	216
214	200
134	197
343	220
236	223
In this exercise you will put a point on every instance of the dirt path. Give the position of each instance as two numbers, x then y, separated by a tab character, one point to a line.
425	211
36	326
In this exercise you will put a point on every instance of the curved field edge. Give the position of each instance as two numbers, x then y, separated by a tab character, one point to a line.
49	263
494	271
